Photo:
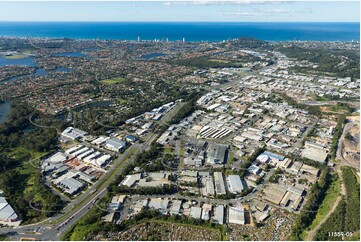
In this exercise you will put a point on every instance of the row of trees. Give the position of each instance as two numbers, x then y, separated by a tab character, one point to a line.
346	217
352	215
309	210
336	135
333	224
244	166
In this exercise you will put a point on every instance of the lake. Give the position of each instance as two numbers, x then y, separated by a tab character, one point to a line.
27	61
152	55
4	111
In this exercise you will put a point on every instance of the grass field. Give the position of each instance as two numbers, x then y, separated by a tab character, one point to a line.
13	57
331	195
113	81
225	61
28	189
230	157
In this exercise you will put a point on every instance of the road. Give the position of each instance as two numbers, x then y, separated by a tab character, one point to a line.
250	196
340	148
54	227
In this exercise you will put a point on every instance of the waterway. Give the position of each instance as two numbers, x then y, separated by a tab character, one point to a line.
152	55
27	61
4	111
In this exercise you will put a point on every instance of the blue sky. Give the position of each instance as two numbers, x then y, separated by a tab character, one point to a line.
189	11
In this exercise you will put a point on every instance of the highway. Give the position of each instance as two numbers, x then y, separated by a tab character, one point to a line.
54	227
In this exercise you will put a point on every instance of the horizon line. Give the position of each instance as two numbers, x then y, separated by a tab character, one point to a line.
133	21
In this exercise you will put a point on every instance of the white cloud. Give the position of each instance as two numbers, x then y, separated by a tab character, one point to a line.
209	3
277	11
267	12
245	14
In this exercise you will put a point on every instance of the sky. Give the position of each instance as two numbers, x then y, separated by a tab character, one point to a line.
186	11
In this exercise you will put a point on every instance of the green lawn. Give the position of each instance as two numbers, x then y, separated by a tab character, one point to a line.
230	157
113	81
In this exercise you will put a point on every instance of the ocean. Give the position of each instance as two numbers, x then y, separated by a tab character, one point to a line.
190	31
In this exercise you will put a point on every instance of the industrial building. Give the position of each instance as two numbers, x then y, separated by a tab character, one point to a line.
217	154
159	204
206	210
130	180
69	184
219	214
219	183
7	213
176	207
196	212
236	215
115	144
235	184
73	133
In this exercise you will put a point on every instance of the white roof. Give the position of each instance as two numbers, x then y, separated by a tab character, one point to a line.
196	212
236	215
57	158
235	184
158	203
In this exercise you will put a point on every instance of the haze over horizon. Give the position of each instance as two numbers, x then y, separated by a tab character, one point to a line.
182	11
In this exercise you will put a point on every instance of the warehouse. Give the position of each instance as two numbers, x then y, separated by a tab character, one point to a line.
74	149
159	204
100	140
69	184
217	154
73	133
219	183
59	157
196	212
274	193
81	151
235	184
209	186
130	180
206	210
102	160
115	144
7	213
310	169
236	215
315	154
131	138
176	207
219	215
